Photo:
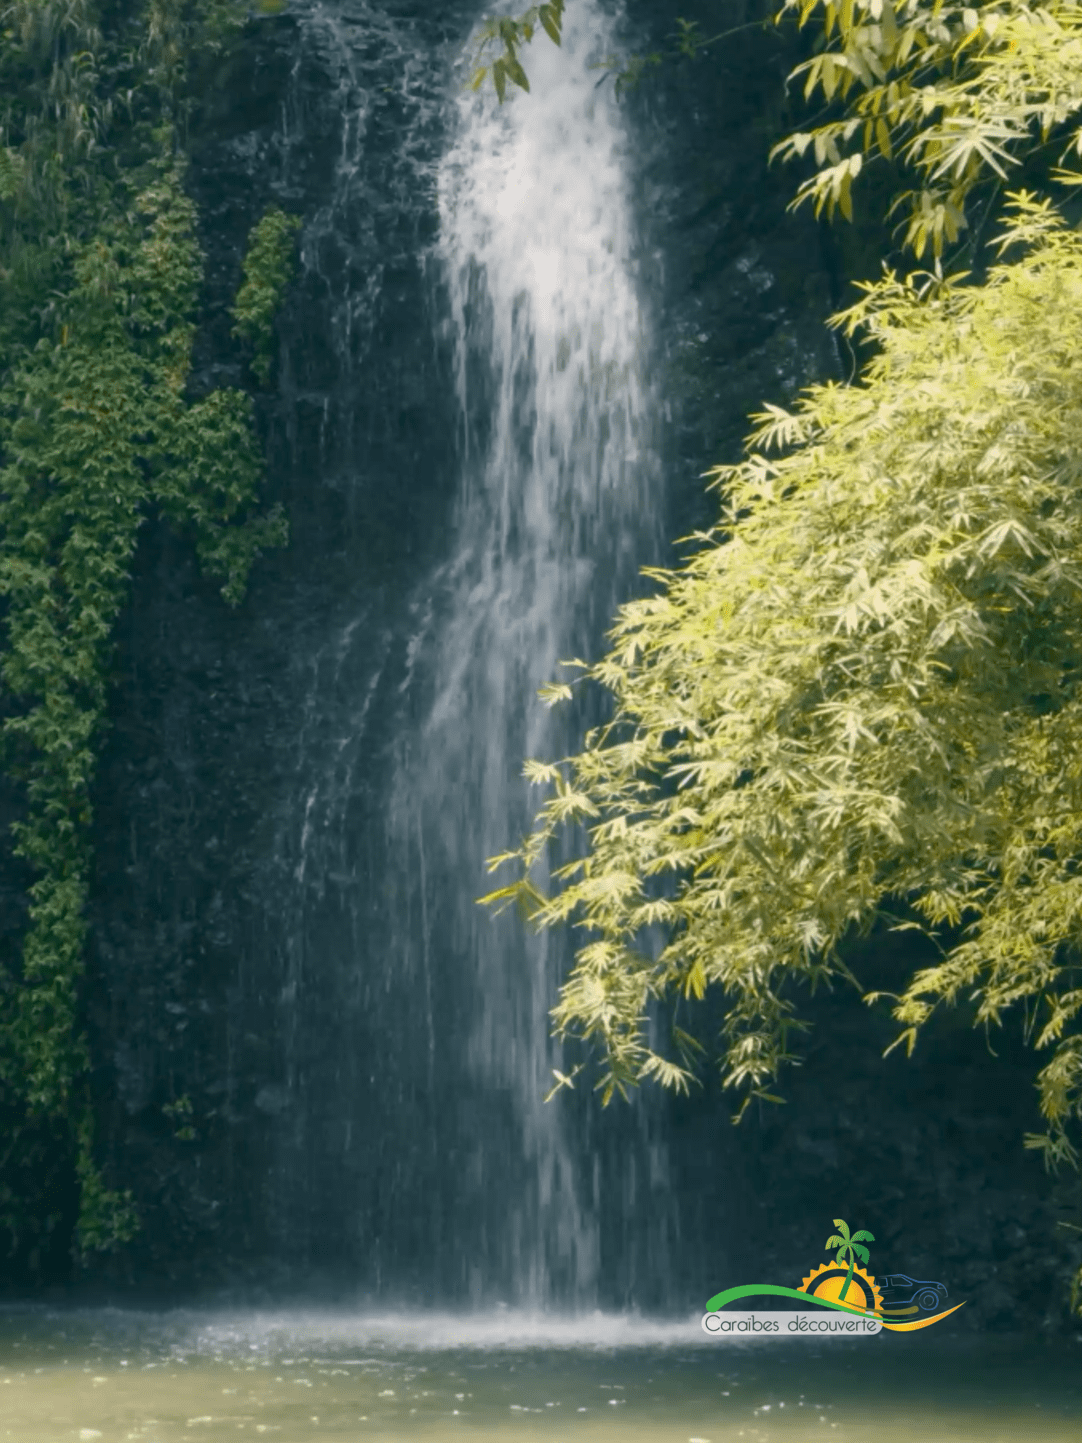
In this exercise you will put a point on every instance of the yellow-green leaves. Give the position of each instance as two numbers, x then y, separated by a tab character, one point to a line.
935	216
957	93
862	694
554	692
551	18
508	68
836	186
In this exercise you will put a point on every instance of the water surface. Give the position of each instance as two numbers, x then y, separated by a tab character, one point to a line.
116	1375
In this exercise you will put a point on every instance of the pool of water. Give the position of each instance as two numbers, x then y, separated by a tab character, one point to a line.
113	1375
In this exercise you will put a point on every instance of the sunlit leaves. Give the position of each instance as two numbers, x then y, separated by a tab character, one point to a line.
965	143
835	187
861	693
958	93
553	692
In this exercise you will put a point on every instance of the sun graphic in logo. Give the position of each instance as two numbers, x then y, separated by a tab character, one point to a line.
828	1279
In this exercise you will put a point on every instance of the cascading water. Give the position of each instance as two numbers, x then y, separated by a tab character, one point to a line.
558	507
467	1184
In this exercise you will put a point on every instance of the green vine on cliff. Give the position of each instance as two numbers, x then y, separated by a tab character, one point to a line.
267	268
100	277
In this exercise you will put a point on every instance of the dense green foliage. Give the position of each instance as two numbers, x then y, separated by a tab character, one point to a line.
859	701
100	277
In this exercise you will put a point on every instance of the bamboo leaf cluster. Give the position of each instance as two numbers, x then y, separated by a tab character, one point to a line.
957	94
512	34
685	42
860	698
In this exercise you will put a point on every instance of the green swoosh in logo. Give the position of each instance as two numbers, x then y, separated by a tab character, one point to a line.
751	1290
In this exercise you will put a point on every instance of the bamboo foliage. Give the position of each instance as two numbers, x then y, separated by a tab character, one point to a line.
862	694
859	701
512	34
959	94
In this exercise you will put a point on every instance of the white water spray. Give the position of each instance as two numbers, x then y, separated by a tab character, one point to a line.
557	511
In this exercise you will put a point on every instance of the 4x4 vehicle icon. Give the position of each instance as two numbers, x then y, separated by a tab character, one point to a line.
898	1289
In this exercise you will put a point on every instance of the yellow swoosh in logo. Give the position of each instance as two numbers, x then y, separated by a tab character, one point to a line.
918	1322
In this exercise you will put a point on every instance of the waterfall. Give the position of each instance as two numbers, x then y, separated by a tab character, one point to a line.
416	1026
556	511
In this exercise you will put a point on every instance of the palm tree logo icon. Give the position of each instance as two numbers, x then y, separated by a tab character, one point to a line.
854	1286
851	1245
846	1285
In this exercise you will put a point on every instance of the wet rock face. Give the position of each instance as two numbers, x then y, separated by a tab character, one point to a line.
224	720
280	1077
744	286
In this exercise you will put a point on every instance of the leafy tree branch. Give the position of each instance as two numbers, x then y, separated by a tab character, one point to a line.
512	35
860	695
958	93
